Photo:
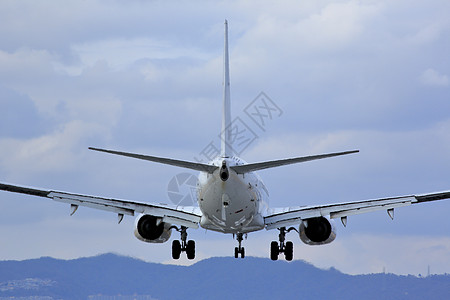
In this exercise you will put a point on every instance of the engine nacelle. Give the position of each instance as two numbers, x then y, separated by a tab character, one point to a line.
151	229
317	231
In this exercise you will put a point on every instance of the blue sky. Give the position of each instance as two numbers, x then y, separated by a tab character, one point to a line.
146	77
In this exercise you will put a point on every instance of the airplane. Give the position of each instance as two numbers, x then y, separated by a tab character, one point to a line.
232	199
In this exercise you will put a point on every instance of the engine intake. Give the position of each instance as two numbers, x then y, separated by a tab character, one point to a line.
317	231
151	229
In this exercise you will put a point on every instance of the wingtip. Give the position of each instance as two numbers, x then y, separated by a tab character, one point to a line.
96	149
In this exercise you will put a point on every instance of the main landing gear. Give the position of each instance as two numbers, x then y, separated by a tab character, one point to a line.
239	250
183	246
286	248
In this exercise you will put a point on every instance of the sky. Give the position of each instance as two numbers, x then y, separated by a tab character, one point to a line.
146	77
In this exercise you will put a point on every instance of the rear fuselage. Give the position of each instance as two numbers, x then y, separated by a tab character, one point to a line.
234	205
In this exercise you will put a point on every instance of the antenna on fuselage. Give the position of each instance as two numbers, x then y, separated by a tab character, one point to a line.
225	148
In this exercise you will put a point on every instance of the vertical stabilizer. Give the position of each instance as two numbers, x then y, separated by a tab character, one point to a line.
225	149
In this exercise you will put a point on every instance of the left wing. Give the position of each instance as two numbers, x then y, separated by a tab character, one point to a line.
183	216
284	217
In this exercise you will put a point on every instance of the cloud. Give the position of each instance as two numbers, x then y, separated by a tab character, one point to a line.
431	77
428	34
53	151
22	114
122	53
25	66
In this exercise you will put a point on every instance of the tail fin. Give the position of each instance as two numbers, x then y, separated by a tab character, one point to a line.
225	149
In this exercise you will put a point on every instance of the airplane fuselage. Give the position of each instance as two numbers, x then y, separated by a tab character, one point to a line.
234	205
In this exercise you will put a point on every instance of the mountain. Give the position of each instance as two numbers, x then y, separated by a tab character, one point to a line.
103	276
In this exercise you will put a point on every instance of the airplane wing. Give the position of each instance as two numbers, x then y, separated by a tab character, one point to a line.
188	216
284	217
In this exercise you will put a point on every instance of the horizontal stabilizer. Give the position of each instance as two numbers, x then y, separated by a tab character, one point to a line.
282	162
167	161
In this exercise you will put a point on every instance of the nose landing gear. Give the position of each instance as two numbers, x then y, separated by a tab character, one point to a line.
239	250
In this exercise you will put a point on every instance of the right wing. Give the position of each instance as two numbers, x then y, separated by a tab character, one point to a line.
188	216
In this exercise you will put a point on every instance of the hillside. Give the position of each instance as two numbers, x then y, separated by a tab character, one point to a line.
214	278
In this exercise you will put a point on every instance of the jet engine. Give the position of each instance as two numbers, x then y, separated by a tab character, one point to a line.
151	229
317	231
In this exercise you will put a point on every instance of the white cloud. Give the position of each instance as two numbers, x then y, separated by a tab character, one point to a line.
18	68
432	77
428	34
120	53
336	24
51	152
333	26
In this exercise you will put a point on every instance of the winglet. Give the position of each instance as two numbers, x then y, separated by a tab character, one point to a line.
225	149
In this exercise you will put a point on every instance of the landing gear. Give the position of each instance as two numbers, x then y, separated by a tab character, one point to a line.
183	245
239	250
286	248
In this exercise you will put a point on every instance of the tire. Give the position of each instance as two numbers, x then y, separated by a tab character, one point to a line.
274	250
242	252
236	252
176	249
289	251
190	249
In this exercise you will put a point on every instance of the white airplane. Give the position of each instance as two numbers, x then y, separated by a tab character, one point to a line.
231	199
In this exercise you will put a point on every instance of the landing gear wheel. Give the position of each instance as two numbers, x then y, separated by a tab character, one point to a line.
190	249
289	251
274	250
239	250
176	249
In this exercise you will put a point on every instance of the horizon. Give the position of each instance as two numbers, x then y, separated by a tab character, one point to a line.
331	268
